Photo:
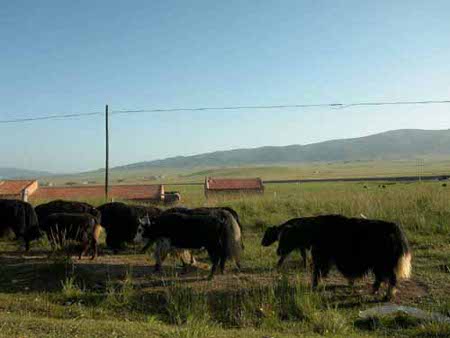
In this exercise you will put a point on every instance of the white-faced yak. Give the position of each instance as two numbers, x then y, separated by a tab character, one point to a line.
219	235
355	246
20	218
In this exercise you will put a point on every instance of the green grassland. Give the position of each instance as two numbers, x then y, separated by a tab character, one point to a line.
44	294
282	172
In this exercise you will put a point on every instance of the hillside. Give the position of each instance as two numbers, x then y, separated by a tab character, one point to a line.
16	173
403	144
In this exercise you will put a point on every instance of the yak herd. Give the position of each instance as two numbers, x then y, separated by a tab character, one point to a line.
355	246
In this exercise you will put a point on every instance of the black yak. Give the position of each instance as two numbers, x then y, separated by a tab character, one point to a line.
354	245
21	218
208	211
272	235
220	236
61	206
84	228
163	248
121	222
172	197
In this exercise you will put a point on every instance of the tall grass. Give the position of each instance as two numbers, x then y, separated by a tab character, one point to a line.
277	302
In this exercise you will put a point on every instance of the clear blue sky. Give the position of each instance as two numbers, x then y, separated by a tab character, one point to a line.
76	56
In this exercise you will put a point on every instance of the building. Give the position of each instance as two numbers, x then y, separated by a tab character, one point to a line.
30	190
18	189
214	186
141	193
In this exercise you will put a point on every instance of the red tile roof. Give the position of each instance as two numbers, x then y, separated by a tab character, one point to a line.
14	187
126	192
233	183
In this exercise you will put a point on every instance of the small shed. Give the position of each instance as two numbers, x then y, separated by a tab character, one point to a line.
18	189
214	186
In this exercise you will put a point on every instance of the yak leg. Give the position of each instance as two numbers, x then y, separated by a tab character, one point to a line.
160	255
304	257
376	285
223	260
238	264
84	245
392	289
94	249
215	259
318	273
321	267
281	261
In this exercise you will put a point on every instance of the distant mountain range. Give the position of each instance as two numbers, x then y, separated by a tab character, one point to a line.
404	144
16	173
392	145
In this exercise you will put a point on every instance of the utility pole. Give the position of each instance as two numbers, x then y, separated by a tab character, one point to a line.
107	153
420	165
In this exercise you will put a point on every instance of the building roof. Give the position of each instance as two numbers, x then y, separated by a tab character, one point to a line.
126	192
14	187
233	183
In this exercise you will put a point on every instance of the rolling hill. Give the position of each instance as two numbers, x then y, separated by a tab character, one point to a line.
405	144
16	173
391	146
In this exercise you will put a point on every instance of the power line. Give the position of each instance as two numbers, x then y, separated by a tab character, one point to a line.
286	106
329	105
51	117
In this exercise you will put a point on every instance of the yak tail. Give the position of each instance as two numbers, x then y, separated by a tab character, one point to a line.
233	243
403	267
96	232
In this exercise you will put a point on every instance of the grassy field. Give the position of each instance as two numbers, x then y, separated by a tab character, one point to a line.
304	171
55	295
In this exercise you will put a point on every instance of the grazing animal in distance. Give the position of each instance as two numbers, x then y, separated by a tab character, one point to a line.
172	197
272	235
220	236
83	228
355	246
19	217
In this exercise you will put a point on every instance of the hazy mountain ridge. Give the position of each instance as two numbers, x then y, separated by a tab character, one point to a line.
404	144
392	145
16	173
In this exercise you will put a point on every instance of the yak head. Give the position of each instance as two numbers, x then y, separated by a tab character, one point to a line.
144	224
270	236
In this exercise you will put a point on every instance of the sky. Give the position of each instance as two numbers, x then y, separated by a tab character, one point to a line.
61	57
